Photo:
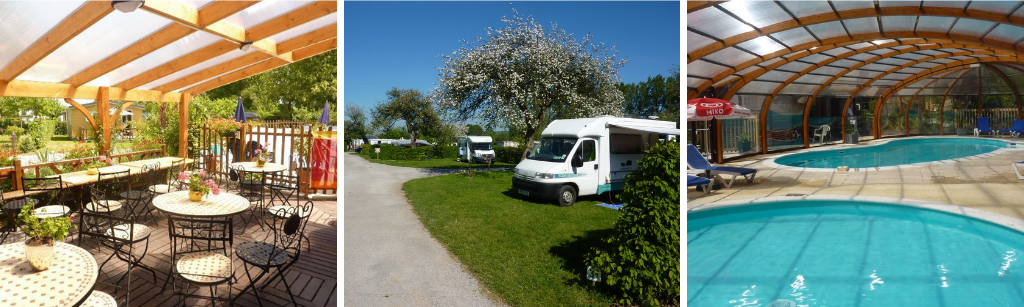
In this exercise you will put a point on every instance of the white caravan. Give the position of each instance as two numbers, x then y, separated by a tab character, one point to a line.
475	148
586	156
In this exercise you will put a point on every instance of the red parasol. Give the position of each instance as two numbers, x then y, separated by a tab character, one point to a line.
704	109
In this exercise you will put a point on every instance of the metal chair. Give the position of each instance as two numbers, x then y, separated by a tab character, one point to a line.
108	201
199	254
170	183
279	254
284	194
48	193
120	235
249	185
140	200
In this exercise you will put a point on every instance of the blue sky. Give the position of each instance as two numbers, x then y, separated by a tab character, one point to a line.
396	44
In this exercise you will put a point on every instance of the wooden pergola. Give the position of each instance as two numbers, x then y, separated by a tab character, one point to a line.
165	51
765	51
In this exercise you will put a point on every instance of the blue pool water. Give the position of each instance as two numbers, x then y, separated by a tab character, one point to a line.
847	253
896	152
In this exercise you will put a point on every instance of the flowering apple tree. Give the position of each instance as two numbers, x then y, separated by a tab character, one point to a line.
523	76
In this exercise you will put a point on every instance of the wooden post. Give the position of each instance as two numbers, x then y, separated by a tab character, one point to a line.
18	174
183	125
102	107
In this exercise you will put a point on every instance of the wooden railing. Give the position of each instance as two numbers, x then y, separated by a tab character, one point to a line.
216	152
17	171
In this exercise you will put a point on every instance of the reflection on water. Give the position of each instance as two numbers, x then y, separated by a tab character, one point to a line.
875	281
1009	257
746	299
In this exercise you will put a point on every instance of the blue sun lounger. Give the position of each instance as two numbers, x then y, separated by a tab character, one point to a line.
696	161
983	126
702	182
1016	129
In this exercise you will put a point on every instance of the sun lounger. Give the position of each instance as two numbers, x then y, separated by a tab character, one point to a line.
1016	129
983	126
702	182
696	161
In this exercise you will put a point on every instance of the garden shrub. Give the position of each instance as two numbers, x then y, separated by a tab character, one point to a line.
389	152
642	256
61	128
36	136
511	155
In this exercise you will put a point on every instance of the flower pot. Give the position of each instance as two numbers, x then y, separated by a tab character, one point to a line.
961	131
743	146
93	171
39	254
195	195
260	163
852	138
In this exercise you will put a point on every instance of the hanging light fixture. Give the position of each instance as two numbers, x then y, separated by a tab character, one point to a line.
127	6
245	46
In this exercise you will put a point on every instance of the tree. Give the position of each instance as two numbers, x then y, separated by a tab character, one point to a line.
475	130
658	96
296	91
408	105
43	107
356	125
394	133
523	76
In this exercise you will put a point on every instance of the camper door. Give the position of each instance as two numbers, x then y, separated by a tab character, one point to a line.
587	176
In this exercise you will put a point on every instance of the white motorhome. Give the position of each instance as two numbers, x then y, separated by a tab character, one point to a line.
586	156
475	148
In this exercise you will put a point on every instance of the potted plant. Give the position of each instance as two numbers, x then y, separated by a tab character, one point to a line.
852	137
43	233
93	167
262	155
743	144
224	126
961	129
199	184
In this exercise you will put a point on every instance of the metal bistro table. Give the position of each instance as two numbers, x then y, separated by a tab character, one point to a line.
223	205
67	282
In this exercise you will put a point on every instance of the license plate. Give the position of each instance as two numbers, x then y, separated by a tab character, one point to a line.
524	192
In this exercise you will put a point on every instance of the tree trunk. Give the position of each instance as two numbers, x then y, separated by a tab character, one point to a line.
528	147
412	136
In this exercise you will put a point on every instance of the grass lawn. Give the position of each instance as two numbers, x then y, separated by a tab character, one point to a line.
57	142
530	253
435	163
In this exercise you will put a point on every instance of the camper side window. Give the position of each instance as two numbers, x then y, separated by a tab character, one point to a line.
589	150
626	143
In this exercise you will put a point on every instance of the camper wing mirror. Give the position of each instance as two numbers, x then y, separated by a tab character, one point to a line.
577	160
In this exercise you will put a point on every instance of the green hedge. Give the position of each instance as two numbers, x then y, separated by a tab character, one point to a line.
511	155
388	152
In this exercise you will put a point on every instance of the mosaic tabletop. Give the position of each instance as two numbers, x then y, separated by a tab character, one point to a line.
177	203
67	281
165	162
267	168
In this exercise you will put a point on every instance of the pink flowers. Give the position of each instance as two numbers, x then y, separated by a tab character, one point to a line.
182	176
212	186
198	181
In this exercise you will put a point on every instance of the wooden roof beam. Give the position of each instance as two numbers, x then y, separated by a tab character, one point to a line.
19	88
86	15
161	38
263	66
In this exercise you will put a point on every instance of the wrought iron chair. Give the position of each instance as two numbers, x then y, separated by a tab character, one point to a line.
279	254
199	253
48	193
140	200
120	235
284	194
170	183
109	185
250	186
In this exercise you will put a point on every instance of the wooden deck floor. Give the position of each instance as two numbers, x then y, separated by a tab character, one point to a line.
313	279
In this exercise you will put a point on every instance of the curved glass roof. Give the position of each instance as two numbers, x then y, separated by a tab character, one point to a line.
68	49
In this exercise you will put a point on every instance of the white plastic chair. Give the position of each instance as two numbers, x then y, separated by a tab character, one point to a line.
822	133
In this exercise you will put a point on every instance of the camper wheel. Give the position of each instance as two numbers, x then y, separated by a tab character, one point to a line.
566	196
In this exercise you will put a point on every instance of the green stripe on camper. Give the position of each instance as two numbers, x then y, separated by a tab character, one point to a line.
569	175
614	186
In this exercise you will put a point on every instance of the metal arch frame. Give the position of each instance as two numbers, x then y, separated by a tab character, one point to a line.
906	113
722	43
942	104
927	73
810	101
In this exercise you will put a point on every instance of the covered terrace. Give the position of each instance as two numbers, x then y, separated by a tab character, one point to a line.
885	68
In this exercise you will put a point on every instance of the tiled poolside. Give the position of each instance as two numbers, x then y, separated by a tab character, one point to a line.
987	183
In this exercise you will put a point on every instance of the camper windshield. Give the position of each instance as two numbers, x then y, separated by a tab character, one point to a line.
481	146
552	149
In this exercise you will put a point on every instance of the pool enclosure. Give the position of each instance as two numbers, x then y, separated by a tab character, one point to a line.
819	72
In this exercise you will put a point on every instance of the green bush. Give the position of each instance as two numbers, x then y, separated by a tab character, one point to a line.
642	256
510	155
389	152
61	128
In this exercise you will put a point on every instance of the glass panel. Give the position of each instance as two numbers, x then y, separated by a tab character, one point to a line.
1006	33
836	51
952	4
838	89
827	70
816	58
863	73
690	82
846	80
844	63
934	23
862	45
863	109
892	119
761	45
877	67
194	69
793	37
785	122
960	112
25	22
852	5
826	111
972	27
758	87
696	41
912	56
94	44
182	47
704	69
892	61
884	83
827	30
899	23
795	66
861	25
910	70
924	115
730	56
798	89
757	13
775	75
267	10
899	3
1000	109
311	26
743	136
1000	7
716	23
816	79
896	76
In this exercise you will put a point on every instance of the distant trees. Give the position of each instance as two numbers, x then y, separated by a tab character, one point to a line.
475	130
408	105
356	125
523	76
294	92
658	96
